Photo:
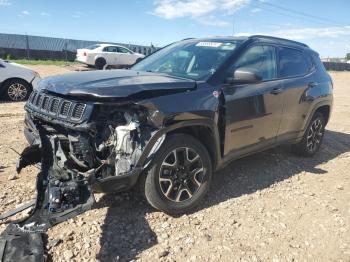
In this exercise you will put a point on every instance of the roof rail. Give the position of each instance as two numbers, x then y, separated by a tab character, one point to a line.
277	38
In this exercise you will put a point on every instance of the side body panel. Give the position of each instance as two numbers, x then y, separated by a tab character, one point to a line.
296	106
303	96
252	114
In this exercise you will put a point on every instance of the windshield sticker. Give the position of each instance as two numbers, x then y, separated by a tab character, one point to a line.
209	44
228	46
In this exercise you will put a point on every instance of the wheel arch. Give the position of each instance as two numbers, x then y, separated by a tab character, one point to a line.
99	56
324	107
203	134
325	110
203	130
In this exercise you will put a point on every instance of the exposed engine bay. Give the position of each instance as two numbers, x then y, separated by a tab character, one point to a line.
76	159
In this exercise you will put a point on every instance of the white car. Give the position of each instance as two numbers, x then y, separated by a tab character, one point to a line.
102	55
16	81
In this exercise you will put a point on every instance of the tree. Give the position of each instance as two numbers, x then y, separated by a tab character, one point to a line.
347	57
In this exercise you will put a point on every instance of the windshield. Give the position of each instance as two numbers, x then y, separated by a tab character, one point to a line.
196	60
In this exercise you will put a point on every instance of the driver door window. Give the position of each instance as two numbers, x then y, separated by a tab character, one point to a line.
261	58
252	112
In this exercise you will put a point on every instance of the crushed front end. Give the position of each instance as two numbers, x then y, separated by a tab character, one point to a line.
81	147
96	141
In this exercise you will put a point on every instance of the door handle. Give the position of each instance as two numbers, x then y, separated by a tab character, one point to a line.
276	91
312	84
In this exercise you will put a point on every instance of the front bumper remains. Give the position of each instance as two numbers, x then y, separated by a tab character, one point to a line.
23	240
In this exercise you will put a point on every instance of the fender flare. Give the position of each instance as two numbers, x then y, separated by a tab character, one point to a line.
311	114
146	157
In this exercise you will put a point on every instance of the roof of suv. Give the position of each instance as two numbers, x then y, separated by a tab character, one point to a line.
264	38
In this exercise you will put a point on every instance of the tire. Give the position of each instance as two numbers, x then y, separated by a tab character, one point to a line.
313	137
100	63
16	90
175	191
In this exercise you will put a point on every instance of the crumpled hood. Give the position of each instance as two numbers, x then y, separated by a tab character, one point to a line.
114	84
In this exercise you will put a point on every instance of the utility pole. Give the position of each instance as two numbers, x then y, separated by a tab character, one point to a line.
27	46
66	49
233	24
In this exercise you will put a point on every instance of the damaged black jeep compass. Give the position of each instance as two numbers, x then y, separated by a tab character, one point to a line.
171	120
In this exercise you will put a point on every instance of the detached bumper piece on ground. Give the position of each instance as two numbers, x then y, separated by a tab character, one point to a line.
57	201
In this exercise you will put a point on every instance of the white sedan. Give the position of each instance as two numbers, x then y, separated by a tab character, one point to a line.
16	81
102	55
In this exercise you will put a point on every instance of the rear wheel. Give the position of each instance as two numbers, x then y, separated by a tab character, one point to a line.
180	177
16	90
100	63
313	137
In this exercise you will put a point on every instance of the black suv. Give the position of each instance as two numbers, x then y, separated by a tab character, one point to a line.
174	118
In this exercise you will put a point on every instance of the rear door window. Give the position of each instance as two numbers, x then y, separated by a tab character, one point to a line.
293	63
112	49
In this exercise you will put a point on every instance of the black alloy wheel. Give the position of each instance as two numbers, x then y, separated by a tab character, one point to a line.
180	175
313	137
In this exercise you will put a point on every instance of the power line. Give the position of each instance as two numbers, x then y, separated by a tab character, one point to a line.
288	15
306	15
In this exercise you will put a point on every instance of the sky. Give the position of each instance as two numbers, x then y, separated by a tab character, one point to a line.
323	25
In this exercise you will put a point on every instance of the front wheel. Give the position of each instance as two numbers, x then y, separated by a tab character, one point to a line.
312	139
180	176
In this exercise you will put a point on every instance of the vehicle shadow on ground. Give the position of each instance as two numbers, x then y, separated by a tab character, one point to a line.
2	168
127	233
256	172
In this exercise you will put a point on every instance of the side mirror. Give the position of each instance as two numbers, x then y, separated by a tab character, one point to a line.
245	76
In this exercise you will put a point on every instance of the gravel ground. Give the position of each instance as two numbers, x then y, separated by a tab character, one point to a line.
272	206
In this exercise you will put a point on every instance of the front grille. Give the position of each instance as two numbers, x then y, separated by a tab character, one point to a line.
64	109
78	111
32	98
38	100
45	104
56	106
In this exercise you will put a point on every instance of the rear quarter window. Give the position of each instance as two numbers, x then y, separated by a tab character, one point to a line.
319	64
293	62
